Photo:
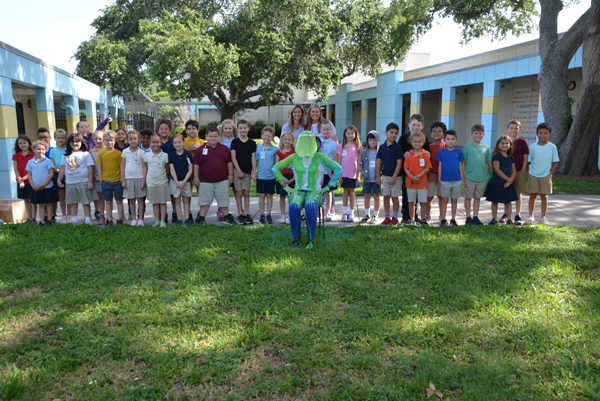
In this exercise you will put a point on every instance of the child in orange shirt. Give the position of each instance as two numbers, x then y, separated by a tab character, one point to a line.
416	166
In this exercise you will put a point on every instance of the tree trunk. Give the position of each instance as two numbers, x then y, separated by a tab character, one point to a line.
580	148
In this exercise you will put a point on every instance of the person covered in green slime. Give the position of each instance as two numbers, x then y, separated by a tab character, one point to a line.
309	167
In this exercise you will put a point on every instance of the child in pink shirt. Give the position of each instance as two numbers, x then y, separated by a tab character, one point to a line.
348	156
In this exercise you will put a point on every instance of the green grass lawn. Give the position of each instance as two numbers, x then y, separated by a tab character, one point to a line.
232	313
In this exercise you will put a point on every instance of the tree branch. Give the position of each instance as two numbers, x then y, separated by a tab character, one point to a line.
573	38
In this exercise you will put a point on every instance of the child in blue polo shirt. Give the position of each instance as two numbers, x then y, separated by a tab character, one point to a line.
265	178
368	167
450	175
389	164
328	148
40	171
181	165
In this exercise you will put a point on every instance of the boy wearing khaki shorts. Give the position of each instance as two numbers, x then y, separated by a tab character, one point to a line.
475	170
243	156
213	173
542	161
521	151
389	164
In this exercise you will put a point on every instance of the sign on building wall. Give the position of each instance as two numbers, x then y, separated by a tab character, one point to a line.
525	109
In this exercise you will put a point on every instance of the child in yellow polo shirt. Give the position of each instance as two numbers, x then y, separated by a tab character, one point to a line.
109	172
192	142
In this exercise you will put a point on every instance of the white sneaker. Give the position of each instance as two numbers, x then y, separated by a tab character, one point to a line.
373	220
327	216
345	217
350	217
428	218
332	212
140	223
133	223
530	221
64	220
282	219
544	221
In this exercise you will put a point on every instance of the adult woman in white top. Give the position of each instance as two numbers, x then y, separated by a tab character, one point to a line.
295	124
314	120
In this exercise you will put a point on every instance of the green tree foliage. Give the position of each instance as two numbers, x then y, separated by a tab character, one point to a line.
248	54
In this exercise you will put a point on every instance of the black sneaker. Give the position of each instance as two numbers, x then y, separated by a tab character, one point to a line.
365	219
241	219
509	222
263	219
453	223
229	220
476	221
249	220
167	219
493	222
179	223
518	221
199	218
174	216
188	223
269	219
97	215
444	223
295	243
404	221
503	218
469	222
424	223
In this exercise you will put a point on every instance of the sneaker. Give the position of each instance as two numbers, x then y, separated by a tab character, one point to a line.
53	220
162	224
411	222
518	221
249	220
373	220
503	219
133	223
97	215
365	219
174	217
332	212
156	223
269	219
64	220
188	223
544	221
530	221
42	224
202	221
140	223
469	222
453	223
295	243
101	220
129	220
345	217
121	222
351	218
424	222
310	244
198	218
191	218
509	222
493	222
282	219
476	221
167	219
444	223
428	218
417	219
220	215
241	219
386	222
229	220
110	222
327	216
179	223
404	221
394	221
262	219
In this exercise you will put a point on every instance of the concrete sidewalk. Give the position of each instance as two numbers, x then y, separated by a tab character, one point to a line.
568	210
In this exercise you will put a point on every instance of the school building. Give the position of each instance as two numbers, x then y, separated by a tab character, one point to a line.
490	88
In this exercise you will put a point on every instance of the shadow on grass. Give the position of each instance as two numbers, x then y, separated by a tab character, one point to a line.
372	313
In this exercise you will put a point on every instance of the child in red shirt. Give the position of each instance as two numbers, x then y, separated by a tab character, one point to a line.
22	154
286	148
416	166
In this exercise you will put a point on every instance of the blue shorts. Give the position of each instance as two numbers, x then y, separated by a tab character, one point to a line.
266	186
348	183
110	188
371	188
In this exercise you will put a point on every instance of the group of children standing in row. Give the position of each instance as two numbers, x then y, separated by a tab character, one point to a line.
110	166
